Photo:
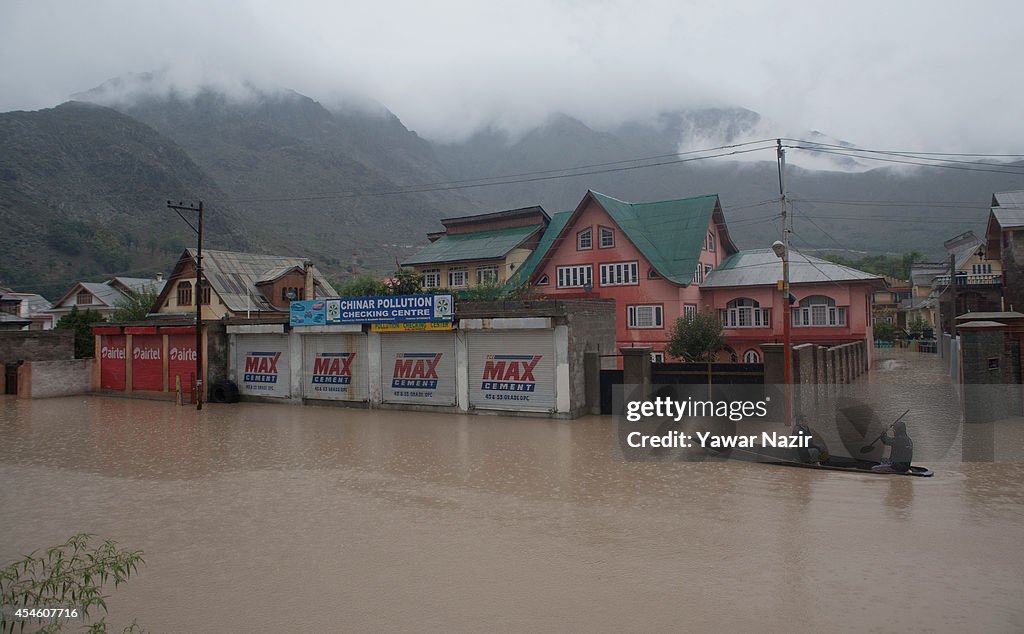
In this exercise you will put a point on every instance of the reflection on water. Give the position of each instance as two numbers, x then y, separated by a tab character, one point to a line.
278	518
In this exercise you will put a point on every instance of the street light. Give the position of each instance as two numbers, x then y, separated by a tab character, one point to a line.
199	290
781	250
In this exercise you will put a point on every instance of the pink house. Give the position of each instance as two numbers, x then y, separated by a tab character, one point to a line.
661	260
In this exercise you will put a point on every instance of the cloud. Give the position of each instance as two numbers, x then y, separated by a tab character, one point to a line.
906	75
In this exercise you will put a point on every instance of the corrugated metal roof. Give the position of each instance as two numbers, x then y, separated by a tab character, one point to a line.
922	273
526	270
104	292
480	245
963	247
140	283
233	275
1008	209
760	267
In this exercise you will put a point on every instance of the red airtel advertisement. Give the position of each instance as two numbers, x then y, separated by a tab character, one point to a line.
181	361
147	362
112	357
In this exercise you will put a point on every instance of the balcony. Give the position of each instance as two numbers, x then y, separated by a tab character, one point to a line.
970	280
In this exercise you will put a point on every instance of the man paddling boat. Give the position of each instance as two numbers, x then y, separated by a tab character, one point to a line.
901	450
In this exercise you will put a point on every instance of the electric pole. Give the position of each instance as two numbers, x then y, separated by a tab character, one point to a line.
180	207
787	351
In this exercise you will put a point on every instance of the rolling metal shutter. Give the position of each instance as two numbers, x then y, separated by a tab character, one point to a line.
418	367
261	365
512	369
147	362
334	367
181	361
112	364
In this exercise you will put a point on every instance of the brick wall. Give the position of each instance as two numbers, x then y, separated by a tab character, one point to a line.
36	345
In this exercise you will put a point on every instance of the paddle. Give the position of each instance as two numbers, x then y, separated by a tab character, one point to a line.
867	448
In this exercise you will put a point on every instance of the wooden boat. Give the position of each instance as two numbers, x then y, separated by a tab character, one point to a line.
788	458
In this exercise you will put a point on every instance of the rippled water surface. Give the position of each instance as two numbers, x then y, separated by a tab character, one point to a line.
280	518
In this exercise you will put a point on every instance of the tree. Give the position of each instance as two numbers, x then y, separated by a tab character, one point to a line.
82	323
884	331
696	337
66	575
136	307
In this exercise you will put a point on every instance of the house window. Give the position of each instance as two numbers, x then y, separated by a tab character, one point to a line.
575	276
653	275
648	316
689	310
698	275
288	293
83	298
458	276
707	269
205	294
585	239
744	312
487	274
431	278
819	311
606	237
711	242
657	357
619	274
543	280
184	293
751	356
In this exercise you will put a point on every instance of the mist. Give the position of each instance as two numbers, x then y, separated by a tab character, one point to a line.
922	76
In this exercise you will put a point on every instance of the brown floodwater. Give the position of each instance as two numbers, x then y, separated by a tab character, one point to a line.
278	518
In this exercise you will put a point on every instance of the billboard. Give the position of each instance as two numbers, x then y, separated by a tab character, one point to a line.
389	310
310	312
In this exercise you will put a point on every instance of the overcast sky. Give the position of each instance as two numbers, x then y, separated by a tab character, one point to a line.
939	75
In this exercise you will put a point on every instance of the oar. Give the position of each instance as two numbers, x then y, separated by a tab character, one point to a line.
868	448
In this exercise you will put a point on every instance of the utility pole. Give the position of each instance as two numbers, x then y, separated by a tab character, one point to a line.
787	317
953	293
180	207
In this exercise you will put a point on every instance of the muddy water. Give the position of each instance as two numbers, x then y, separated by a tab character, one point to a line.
279	518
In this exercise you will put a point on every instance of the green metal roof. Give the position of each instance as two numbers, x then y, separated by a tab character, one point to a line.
669	233
480	245
525	272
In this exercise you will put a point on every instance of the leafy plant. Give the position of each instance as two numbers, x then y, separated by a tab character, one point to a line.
81	322
884	331
69	575
696	337
917	326
136	307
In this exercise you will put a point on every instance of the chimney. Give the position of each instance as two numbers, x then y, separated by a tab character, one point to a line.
310	292
159	277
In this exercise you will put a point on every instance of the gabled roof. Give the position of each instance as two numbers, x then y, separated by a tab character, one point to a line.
669	233
104	295
761	267
479	245
233	276
28	303
525	272
963	247
923	273
137	284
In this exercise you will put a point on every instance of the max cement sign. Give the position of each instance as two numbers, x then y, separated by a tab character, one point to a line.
262	365
418	368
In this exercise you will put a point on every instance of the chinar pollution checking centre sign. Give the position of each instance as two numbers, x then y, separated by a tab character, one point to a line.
396	309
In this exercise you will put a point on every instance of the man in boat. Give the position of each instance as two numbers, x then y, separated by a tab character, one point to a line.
901	451
816	451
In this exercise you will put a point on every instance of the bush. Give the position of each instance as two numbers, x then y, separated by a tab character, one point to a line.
68	575
884	331
81	322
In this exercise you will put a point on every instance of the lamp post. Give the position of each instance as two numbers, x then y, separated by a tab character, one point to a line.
199	289
781	249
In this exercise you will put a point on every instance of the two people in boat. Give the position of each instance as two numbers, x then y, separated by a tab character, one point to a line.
901	450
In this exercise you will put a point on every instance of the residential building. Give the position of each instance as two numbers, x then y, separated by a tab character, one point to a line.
485	249
832	302
649	257
240	284
1004	238
24	311
102	297
886	302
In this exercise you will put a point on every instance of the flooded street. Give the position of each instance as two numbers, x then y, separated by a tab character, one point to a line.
259	517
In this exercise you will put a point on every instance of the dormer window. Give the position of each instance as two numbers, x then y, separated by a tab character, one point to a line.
711	242
585	239
184	293
83	298
606	237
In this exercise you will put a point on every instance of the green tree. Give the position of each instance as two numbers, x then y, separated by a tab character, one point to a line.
696	337
81	322
66	575
917	326
884	331
136	307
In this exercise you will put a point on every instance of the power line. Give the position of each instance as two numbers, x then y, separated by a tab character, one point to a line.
847	147
917	163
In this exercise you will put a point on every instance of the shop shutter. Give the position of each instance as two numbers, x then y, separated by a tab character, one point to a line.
181	361
512	369
261	365
112	354
335	367
147	362
418	367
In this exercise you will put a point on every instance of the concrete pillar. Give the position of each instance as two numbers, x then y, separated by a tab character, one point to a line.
636	368
295	364
563	382
774	373
461	371
592	382
373	366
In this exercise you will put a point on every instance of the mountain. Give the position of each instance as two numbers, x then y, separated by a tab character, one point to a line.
748	184
325	184
82	188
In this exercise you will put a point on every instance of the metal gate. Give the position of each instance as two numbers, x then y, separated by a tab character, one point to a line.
334	367
418	367
261	364
512	369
